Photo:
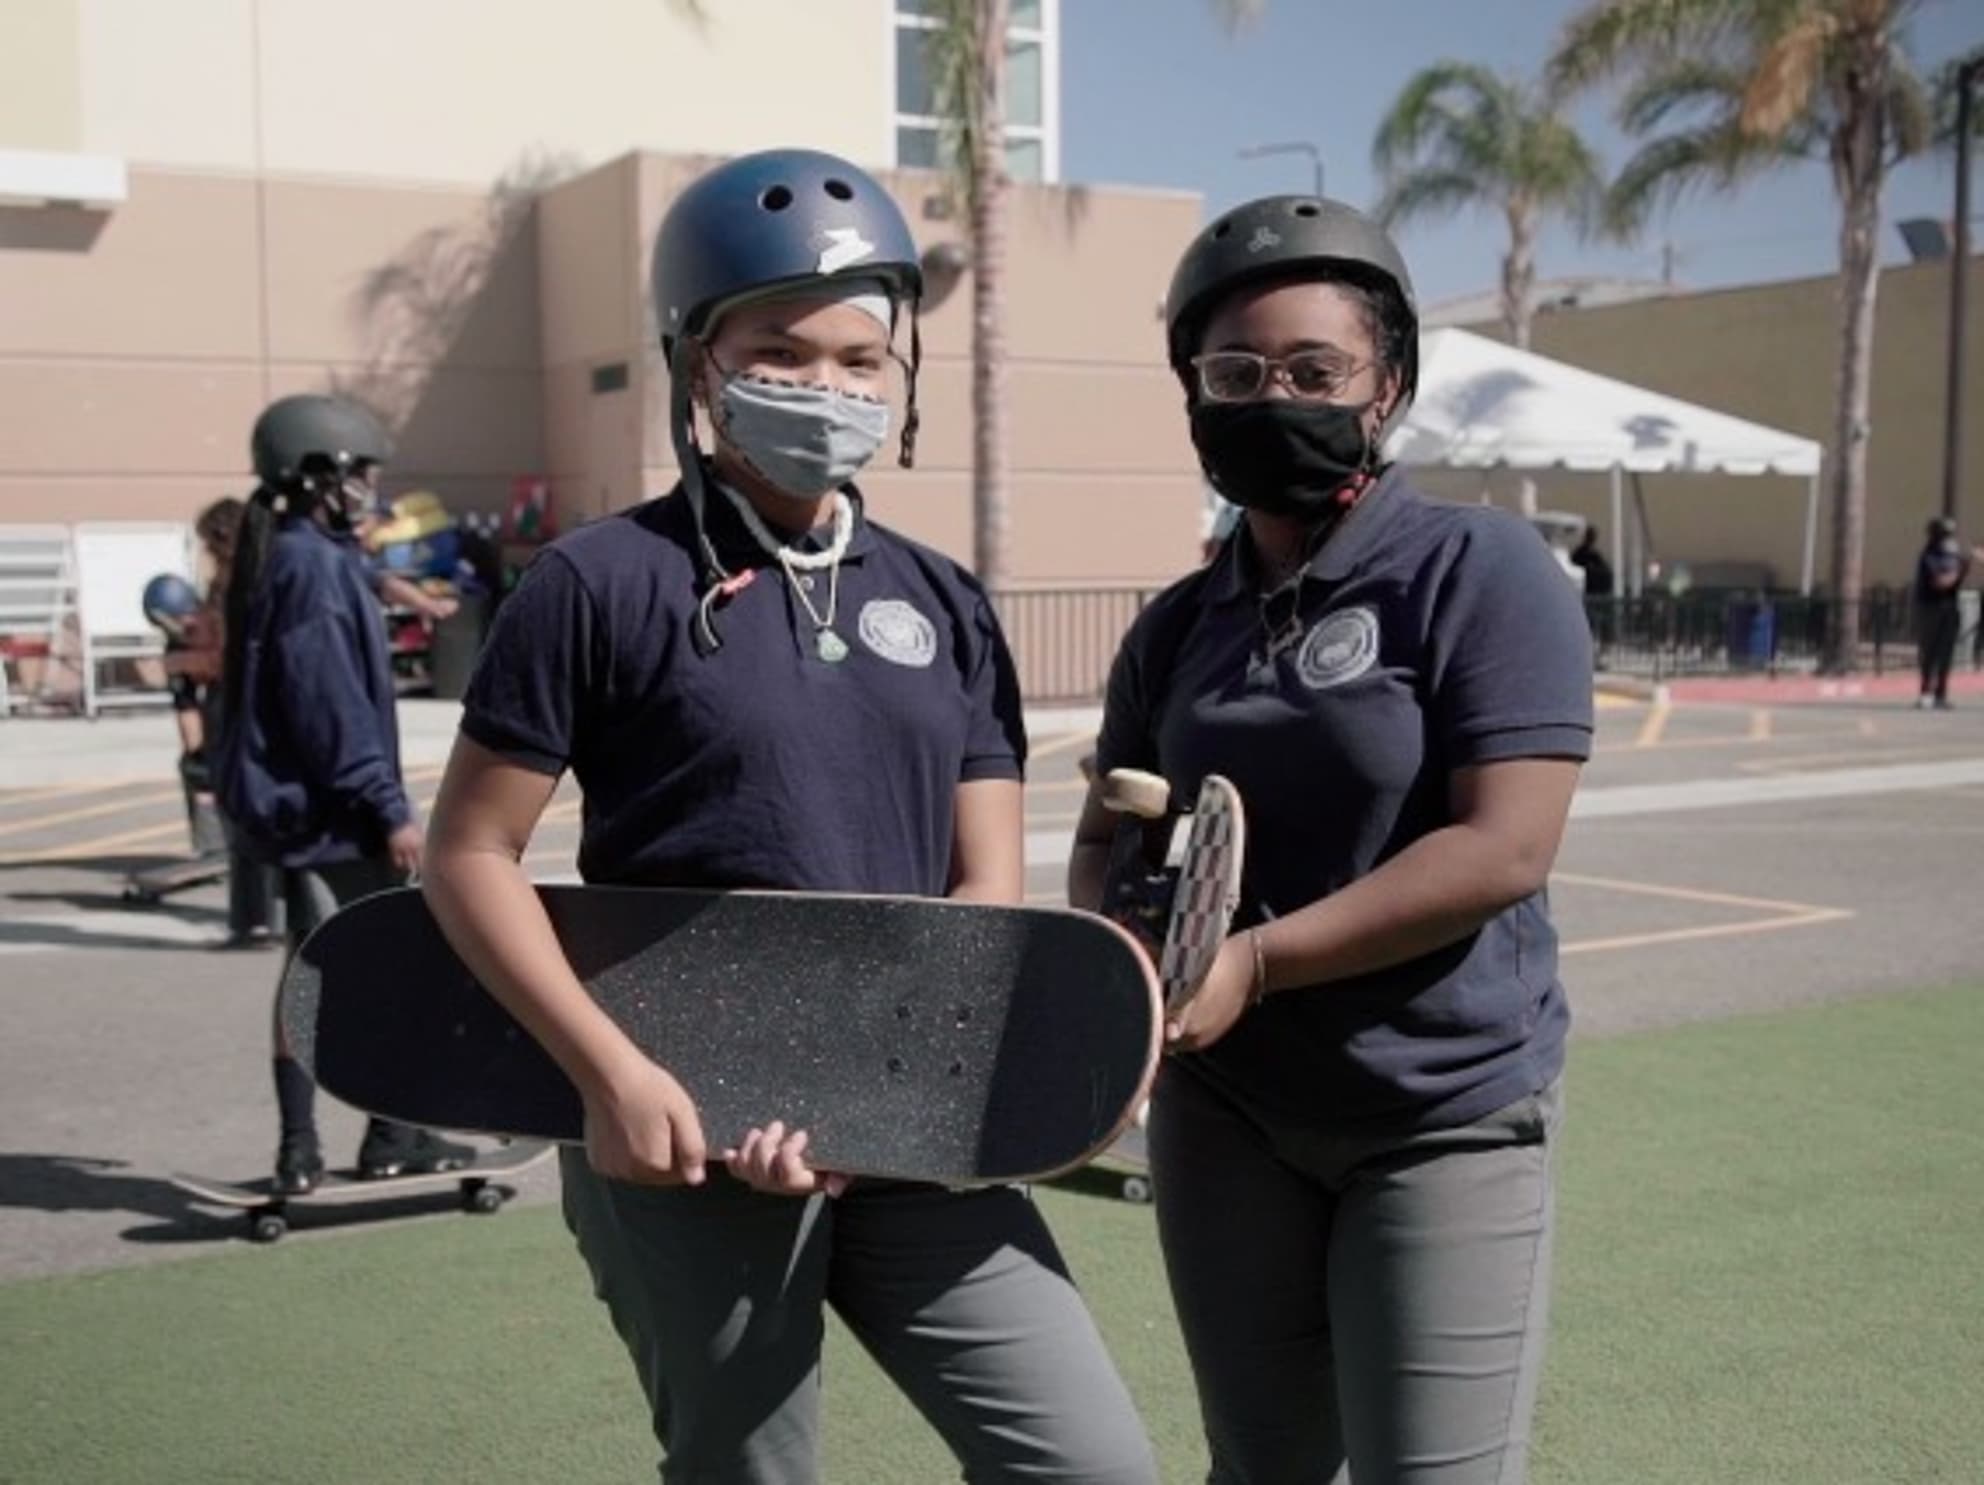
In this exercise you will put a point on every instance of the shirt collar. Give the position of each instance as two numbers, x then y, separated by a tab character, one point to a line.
1239	574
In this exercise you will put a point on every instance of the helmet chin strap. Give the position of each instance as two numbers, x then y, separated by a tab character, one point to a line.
719	584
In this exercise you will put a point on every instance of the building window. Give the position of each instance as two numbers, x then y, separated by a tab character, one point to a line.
1033	143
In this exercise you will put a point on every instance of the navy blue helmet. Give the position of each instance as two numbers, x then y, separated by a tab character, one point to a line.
775	220
169	598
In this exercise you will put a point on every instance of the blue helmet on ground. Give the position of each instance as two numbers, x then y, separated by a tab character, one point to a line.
775	220
169	599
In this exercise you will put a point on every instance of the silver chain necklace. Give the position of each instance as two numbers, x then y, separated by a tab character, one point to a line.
828	645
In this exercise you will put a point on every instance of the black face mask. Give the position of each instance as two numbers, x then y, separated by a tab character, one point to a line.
1281	457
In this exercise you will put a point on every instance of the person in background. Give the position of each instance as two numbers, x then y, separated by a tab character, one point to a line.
1939	575
308	767
1598	585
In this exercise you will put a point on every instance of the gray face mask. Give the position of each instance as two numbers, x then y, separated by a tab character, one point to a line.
804	440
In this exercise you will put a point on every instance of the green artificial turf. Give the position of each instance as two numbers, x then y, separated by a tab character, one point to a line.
1769	1270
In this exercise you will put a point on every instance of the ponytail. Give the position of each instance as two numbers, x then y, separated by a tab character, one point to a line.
244	582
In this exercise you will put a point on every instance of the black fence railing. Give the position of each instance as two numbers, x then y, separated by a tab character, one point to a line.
1063	639
1739	632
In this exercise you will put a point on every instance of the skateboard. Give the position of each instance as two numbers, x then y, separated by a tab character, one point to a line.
1174	880
208	863
1174	877
153	884
915	1039
268	1213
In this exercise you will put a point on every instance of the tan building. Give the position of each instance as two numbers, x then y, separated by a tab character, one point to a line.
201	214
1769	352
445	207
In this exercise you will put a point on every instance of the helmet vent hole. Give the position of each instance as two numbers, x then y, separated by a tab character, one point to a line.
1222	229
776	198
1307	209
840	190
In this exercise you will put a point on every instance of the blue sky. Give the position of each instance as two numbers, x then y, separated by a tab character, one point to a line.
1156	93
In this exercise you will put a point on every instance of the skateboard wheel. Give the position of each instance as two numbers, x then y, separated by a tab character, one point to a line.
1131	791
480	1198
266	1227
1136	1189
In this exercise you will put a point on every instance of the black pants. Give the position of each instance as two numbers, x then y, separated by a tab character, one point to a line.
1936	626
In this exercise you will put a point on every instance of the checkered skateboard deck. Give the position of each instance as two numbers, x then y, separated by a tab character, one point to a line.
1202	873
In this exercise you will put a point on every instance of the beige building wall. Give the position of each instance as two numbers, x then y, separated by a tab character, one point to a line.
139	343
41	79
444	91
1769	353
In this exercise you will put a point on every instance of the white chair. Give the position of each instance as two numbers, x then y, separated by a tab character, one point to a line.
37	600
114	561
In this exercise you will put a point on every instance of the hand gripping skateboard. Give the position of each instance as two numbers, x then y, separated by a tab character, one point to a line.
912	1038
268	1213
1175	883
1178	894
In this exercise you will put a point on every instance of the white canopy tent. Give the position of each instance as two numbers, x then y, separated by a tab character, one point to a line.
1486	405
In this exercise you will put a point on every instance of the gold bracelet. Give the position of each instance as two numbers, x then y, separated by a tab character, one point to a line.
1260	990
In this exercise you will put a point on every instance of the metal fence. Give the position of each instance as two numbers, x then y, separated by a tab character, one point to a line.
1747	632
1064	639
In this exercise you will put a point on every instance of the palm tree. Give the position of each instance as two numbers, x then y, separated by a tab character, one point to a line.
967	60
1459	136
966	56
1746	86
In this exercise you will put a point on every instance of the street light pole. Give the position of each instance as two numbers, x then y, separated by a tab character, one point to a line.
1966	82
1290	147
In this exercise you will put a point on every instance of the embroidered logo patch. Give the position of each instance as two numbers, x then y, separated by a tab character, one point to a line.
898	633
1340	648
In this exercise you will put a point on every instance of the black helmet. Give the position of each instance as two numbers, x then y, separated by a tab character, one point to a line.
1282	237
776	219
299	428
1941	528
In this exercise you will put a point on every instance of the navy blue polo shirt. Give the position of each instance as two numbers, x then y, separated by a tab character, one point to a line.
760	764
1422	637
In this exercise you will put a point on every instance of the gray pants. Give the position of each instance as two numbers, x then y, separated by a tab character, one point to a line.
1367	1310
719	1293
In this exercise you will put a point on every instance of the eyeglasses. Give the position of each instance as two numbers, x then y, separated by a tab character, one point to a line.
1241	376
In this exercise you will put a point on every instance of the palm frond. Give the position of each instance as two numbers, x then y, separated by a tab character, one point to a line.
952	52
1616	36
1788	74
1679	85
1446	101
1716	156
1559	171
1421	194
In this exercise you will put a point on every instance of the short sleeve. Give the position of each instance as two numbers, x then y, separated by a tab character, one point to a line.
1126	740
995	740
1512	652
538	674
